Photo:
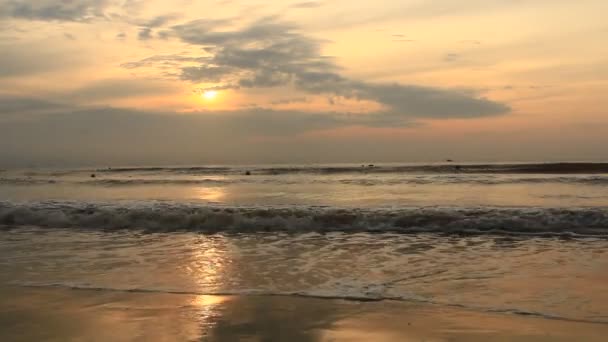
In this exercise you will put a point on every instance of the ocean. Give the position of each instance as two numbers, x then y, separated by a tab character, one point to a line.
515	240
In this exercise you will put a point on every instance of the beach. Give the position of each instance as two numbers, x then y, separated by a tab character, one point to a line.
333	253
88	315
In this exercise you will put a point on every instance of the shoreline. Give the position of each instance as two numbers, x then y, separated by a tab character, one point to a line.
31	314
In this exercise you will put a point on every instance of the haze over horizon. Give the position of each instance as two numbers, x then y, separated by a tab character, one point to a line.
128	82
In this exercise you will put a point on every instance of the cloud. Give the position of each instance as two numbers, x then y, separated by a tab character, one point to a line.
144	33
290	100
451	57
174	60
425	102
471	41
307	4
119	88
146	28
252	121
270	53
14	107
36	129
202	90
205	73
48	10
159	21
21	59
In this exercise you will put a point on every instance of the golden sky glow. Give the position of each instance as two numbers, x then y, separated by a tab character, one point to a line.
454	74
210	94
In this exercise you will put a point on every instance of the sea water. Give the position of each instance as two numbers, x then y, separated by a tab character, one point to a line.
518	239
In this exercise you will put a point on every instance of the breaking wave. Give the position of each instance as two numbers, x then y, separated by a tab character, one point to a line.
169	216
599	180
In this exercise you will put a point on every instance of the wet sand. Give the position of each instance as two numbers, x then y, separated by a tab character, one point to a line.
59	314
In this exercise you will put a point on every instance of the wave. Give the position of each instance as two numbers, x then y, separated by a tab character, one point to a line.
544	168
362	296
369	181
184	170
548	168
156	216
424	180
123	182
472	180
27	181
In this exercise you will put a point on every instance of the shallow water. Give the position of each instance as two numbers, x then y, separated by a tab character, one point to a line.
546	277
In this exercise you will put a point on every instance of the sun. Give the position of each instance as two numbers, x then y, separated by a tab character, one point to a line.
209	94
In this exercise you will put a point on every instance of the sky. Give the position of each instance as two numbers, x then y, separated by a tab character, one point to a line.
156	82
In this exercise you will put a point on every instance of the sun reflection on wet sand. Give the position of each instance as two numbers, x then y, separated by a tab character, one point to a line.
208	311
206	263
